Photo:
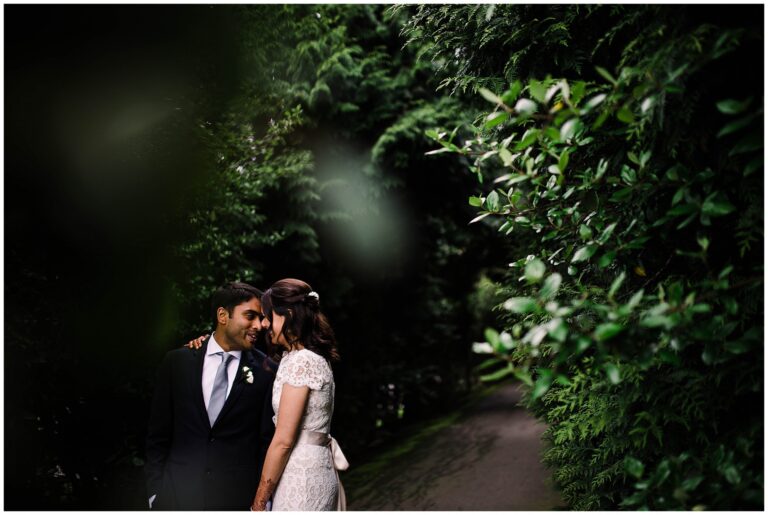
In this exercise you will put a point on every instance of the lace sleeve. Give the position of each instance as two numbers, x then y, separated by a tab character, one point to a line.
305	369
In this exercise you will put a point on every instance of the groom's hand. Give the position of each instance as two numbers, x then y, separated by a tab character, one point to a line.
197	343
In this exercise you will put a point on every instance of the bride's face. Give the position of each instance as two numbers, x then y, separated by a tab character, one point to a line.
274	329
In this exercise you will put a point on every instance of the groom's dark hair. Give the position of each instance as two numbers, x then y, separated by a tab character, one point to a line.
231	295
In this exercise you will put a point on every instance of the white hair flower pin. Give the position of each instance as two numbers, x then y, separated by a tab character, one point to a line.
248	374
314	295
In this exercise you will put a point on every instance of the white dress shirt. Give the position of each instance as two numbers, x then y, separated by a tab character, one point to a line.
211	365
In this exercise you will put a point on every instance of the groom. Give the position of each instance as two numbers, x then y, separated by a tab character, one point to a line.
211	418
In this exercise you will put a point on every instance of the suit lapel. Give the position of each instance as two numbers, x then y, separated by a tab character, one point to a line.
246	360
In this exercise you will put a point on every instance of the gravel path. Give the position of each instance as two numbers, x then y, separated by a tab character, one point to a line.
488	459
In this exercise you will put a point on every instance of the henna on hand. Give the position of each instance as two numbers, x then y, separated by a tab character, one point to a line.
266	489
197	342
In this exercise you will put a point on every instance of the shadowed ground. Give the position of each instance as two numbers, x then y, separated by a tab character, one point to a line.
485	458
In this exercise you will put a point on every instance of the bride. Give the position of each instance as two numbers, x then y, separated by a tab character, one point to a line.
300	469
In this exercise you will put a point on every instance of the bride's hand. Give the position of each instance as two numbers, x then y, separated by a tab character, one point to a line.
196	343
256	507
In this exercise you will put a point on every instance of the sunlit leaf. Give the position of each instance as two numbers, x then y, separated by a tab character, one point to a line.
520	305
534	270
607	331
584	253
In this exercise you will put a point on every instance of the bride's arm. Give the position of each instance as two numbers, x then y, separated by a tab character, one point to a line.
293	400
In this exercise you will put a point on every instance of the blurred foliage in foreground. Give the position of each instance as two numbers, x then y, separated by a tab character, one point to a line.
623	155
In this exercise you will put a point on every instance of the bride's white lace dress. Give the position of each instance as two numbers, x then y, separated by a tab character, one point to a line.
309	481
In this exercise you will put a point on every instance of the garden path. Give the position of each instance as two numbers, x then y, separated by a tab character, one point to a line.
486	458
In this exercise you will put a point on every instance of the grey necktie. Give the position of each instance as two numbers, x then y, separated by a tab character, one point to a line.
219	392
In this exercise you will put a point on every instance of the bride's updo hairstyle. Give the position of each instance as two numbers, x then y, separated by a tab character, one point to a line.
304	323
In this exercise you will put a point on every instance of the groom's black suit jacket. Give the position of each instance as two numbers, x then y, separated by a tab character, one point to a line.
193	466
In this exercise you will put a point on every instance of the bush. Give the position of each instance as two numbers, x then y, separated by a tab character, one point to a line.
633	310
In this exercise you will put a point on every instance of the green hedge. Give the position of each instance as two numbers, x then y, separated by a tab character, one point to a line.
632	194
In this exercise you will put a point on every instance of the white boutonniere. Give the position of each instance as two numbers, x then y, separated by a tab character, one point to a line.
248	375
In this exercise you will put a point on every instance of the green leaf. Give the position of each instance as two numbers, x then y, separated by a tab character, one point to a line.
717	205
585	233
657	321
518	178
616	285
534	270
542	383
528	139
735	126
677	72
524	376
439	151
669	357
520	305
612	371
634	466
725	271
647	104
628	174
478	218
511	94
584	253
607	232
475	201
582	344
482	348
562	163
625	115
563	380
737	347
499	374
732	475
753	166
578	89
525	107
557	329
550	286
595	101
731	106
607	331
606	75
752	142
621	195
492	337
635	300
506	156
488	363
606	259
692	482
570	129
492	201
494	119
538	90
489	95
683	209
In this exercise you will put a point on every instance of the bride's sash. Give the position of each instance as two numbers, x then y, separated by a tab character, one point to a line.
337	457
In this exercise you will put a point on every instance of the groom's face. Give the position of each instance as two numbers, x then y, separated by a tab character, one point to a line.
243	326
